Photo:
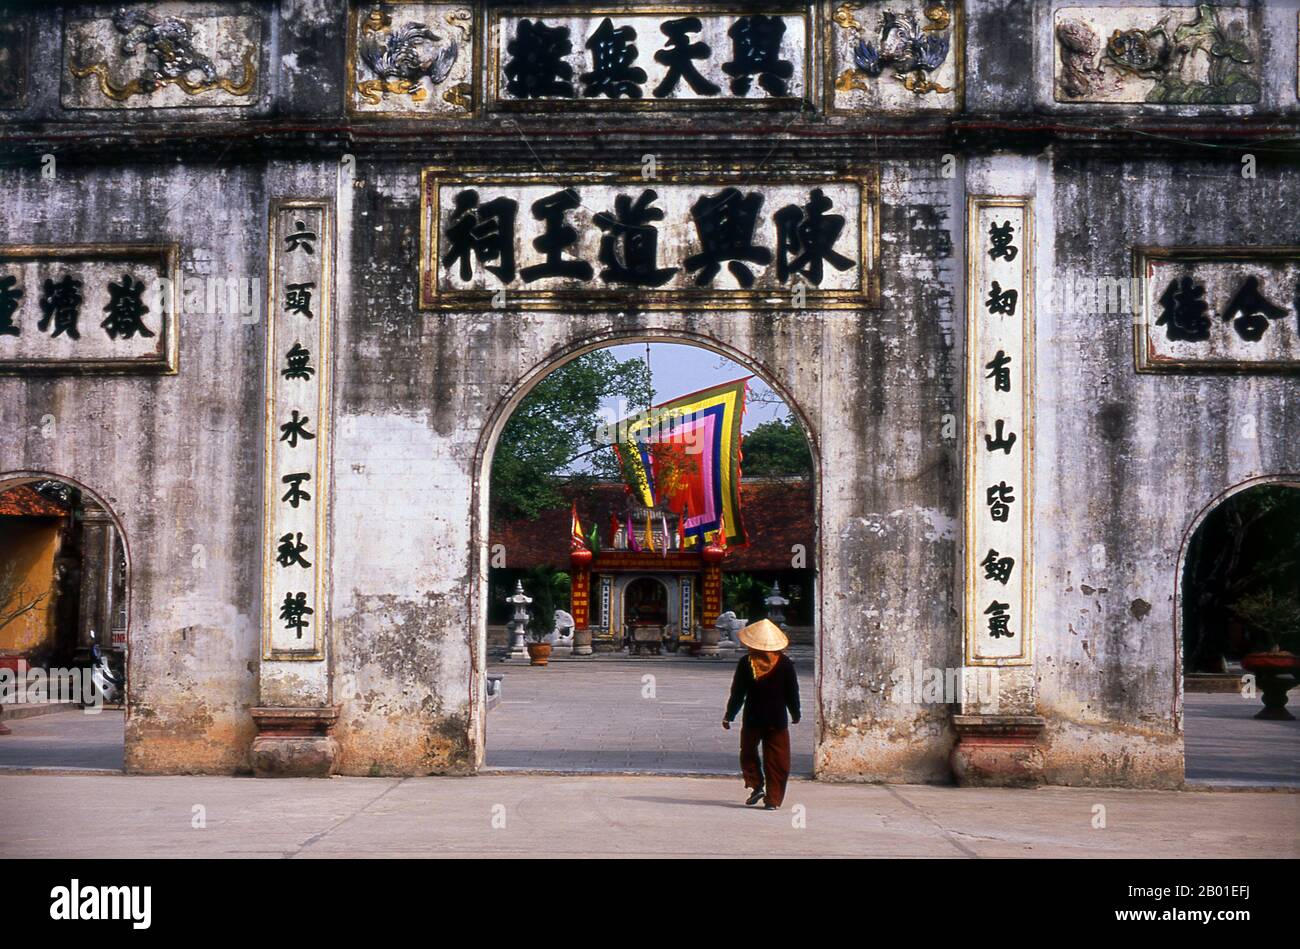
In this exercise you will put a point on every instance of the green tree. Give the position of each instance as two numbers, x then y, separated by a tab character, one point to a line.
777	448
556	424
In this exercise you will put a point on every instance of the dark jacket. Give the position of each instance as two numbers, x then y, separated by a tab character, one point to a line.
766	699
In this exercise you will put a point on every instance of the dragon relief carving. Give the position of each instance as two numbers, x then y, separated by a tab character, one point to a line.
169	59
913	51
400	57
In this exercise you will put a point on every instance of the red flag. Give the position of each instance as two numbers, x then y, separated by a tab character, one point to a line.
576	539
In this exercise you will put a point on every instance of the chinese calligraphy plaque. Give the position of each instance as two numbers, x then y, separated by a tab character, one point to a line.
95	307
298	360
1217	309
655	56
999	417
609	239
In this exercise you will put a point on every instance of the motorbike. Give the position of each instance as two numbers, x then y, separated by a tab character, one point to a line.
104	683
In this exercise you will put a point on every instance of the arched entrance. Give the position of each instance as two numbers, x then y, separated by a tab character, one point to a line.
664	597
64	604
1238	624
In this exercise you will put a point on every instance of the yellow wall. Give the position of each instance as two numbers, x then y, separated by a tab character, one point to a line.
27	548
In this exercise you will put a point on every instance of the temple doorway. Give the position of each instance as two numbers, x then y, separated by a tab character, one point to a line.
1240	638
64	612
626	535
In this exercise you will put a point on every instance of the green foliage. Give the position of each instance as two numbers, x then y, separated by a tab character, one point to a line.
1243	569
549	589
554	424
778	448
743	594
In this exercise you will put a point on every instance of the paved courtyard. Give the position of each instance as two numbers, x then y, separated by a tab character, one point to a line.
605	715
620	816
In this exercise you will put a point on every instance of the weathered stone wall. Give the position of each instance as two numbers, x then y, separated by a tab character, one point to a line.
1123	461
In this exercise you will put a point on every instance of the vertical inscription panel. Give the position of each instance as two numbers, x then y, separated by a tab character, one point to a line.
298	359
999	380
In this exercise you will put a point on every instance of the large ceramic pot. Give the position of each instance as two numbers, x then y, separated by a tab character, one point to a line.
539	654
1277	672
582	642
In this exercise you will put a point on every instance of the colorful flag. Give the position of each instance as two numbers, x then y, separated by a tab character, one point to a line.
649	535
613	530
577	541
631	535
681	524
663	523
687	451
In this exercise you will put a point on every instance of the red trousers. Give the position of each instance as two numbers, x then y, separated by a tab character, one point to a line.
775	764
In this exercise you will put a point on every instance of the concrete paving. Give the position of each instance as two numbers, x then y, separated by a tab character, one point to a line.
605	716
608	716
1226	745
66	740
622	816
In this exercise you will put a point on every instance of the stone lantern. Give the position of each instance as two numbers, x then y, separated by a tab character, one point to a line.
776	604
519	622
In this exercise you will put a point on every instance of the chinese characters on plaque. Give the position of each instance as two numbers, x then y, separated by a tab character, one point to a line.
999	375
674	54
297	436
90	307
1212	309
605	236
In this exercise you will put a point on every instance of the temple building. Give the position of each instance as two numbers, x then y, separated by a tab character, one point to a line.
275	275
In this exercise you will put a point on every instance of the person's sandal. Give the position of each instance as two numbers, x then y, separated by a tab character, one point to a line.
754	798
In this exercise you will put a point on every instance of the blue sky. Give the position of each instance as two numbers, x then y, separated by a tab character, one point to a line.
676	369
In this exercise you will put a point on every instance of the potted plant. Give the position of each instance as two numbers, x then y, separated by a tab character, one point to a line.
539	650
1274	620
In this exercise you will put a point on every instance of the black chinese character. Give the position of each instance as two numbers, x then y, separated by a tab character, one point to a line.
9	297
1251	310
1184	311
297	298
998	372
809	233
294	611
1002	246
485	232
725	223
61	302
997	567
537	68
999	619
999	499
295	494
677	56
993	444
300	239
1002	301
630	225
612	54
298	359
756	50
125	309
295	429
556	236
290	551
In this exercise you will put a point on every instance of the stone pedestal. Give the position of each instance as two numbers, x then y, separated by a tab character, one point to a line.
294	742
997	750
582	642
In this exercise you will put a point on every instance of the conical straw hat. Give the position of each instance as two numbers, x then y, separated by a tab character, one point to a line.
764	635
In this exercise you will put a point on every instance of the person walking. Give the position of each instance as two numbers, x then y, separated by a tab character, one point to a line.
766	685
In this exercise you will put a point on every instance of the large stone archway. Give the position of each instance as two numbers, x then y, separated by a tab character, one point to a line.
510	401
